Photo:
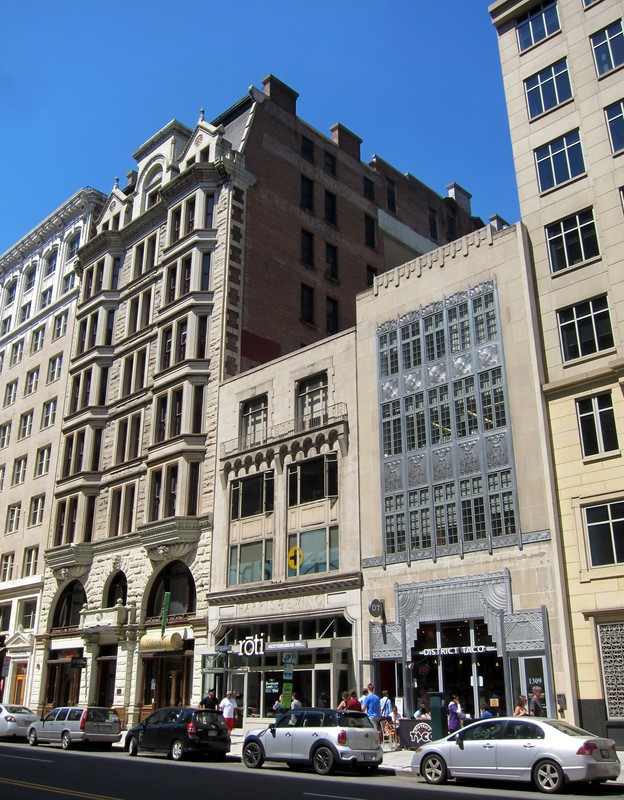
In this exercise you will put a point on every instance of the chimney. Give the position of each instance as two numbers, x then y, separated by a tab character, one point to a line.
460	196
282	95
346	141
498	223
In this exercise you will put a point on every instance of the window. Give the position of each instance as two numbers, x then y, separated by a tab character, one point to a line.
251	562
19	471
55	365
37	507
163	492
42	461
329	163
209	211
2	472
24	312
331	261
176	224
128	439
69	281
332	315
605	531
433	225
307	149
388	354
5	616
585	328
73	246
30	562
608	47
17	352
597	424
10	292
391	428
312	480
25	426
31	277
330	208
310	552
559	161
168	415
48	414
312	395
451	225
307	248
122	510
10	393
572	240
37	339
307	194
50	264
547	89
371	274
13	517
28	614
368	189
391	196
369	231
6	326
251	496
6	566
5	434
254	421
615	121
46	298
539	23
307	304
60	325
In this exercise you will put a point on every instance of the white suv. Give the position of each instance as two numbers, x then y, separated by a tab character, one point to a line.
322	737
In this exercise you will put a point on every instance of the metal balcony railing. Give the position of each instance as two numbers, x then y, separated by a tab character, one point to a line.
285	430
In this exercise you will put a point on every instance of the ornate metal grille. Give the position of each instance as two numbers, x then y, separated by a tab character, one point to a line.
611	638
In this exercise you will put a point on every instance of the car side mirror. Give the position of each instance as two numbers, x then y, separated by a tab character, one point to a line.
459	741
272	728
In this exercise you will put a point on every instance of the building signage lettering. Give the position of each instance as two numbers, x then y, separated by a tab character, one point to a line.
455	651
251	646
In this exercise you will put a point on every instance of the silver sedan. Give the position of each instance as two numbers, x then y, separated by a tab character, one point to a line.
547	752
15	720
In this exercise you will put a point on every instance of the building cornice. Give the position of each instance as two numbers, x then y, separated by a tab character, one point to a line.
293	588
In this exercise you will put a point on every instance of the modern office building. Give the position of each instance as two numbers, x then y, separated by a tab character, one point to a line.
37	304
233	243
562	63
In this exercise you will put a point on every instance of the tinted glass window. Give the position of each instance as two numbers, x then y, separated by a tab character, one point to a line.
75	715
52	715
489	730
354	720
62	714
523	730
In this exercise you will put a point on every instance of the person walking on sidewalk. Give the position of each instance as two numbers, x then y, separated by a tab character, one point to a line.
230	709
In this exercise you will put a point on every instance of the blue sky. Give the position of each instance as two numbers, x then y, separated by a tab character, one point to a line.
84	84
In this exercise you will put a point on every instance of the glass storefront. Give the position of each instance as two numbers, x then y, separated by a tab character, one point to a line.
251	660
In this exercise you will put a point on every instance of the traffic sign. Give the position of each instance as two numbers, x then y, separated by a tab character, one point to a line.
295	557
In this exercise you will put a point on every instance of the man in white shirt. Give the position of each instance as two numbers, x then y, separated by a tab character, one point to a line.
228	707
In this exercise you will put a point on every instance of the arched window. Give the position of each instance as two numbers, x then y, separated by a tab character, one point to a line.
118	590
10	292
73	245
69	605
50	264
176	579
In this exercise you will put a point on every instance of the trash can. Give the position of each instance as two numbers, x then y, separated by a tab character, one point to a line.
439	719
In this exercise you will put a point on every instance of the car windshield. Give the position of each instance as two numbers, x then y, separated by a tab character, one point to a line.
206	717
565	727
354	719
18	710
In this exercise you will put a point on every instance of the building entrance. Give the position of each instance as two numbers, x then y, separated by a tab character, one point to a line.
459	658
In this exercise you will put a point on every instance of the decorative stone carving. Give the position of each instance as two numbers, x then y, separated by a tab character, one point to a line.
469	458
393	479
489	357
442	464
389	390
436	374
417	470
496	447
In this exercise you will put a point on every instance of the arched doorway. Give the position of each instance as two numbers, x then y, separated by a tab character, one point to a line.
63	676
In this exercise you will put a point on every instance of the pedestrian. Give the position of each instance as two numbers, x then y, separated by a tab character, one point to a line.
521	709
385	705
343	701
230	709
455	714
278	707
421	713
395	716
485	711
535	704
363	695
372	706
210	701
296	702
353	703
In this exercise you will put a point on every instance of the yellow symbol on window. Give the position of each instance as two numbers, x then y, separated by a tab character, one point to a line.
295	557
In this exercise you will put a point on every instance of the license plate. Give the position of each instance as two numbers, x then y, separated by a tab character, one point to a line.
605	753
212	733
368	756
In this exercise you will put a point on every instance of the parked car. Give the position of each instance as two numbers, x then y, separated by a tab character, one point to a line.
322	737
73	725
547	752
180	731
15	721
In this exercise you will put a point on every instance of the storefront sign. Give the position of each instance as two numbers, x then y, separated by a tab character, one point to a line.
455	651
251	646
300	644
376	608
151	642
78	663
295	557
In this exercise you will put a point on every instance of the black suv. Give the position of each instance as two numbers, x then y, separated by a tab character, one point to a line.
180	731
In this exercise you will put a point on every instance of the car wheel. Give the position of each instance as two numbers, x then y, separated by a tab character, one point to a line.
65	740
177	750
32	738
548	776
253	755
323	760
133	746
434	769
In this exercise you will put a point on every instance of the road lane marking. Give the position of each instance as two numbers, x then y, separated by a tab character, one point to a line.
26	758
55	790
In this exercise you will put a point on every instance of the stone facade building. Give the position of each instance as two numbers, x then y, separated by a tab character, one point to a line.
562	63
37	304
232	244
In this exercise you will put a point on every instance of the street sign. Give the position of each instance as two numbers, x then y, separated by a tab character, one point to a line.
78	663
288	673
290	657
295	557
376	608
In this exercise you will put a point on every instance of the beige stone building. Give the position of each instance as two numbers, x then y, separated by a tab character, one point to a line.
562	68
459	536
37	307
